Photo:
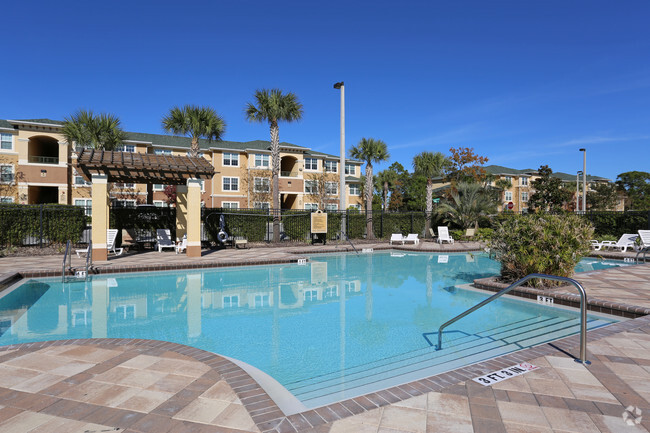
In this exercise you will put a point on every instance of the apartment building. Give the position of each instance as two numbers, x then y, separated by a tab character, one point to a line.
37	165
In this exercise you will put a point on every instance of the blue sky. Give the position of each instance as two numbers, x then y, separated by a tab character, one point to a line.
524	83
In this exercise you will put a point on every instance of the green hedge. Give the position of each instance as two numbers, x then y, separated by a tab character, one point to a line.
615	224
249	223
22	225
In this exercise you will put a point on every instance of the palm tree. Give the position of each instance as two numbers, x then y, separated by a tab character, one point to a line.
369	150
88	130
430	165
196	122
469	202
273	107
386	180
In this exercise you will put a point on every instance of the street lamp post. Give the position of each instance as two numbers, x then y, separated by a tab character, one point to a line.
584	179
578	191
342	206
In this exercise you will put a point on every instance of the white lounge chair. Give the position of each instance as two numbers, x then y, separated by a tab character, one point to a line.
443	235
645	239
412	237
182	245
396	237
111	234
164	240
626	241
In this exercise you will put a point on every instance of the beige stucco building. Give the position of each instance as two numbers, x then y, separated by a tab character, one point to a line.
37	165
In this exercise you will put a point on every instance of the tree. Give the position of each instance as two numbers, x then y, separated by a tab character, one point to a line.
102	131
170	193
549	193
430	165
273	107
602	196
468	203
386	181
369	150
465	165
195	122
318	188
636	185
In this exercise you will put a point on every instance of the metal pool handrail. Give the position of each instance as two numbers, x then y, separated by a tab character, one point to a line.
583	309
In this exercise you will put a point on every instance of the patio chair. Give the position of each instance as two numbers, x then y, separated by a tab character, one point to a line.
396	237
433	235
412	237
644	235
181	246
444	236
164	240
470	233
626	241
111	234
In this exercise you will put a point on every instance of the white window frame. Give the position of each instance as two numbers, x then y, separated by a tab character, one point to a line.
355	189
121	311
330	166
523	181
160	203
230	183
228	158
264	298
130	203
508	178
3	141
331	188
83	182
261	160
158	187
314	184
356	206
12	172
310	295
230	204
125	185
262	205
86	203
267	182
507	196
524	196
162	152
311	207
350	169
6	199
309	165
331	206
129	148
230	299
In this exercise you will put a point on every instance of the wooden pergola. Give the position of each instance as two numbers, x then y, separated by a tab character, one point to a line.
101	166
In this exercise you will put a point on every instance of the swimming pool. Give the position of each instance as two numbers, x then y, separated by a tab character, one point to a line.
340	326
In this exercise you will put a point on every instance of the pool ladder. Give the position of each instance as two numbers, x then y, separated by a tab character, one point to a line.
67	260
583	310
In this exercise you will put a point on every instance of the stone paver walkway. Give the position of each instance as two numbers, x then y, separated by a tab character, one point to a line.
147	386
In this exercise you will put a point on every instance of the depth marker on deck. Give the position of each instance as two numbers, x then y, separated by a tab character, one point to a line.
505	373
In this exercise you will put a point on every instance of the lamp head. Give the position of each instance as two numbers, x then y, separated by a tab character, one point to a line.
583	150
338	85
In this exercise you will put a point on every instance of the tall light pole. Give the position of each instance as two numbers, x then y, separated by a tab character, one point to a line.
584	179
578	191
342	206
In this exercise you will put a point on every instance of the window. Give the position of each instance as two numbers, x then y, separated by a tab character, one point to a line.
126	148
262	184
80	181
160	203
5	199
523	181
158	187
508	196
330	166
330	292
6	142
310	295
311	186
162	151
230	205
231	301
125	312
261	300
311	206
355	206
351	169
230	184
331	188
261	160
508	178
124	203
524	197
231	159
87	204
311	164
125	185
331	206
262	205
6	173
355	189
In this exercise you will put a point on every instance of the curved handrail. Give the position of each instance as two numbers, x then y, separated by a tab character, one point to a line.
583	309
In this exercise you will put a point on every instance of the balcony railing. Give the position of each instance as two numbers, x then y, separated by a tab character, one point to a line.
44	159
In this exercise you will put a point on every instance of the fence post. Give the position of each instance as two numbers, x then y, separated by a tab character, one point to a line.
40	234
411	223
381	223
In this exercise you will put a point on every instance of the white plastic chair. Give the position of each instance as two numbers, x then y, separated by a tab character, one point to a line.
164	240
111	234
396	237
412	237
182	245
443	235
626	241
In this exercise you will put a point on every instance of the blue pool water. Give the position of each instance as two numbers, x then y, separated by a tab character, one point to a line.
340	326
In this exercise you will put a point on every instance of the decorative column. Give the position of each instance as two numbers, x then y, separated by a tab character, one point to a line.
99	217
193	218
181	211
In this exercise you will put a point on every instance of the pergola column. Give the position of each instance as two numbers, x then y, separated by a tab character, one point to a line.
193	218
99	217
181	211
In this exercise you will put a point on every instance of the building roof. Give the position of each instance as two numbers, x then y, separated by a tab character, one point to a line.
506	171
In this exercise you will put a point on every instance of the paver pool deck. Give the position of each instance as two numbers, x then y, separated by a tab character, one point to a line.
99	385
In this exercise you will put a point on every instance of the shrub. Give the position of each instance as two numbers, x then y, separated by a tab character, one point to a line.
540	243
25	224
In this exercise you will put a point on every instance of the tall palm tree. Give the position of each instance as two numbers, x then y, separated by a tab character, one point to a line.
386	180
195	122
272	106
430	165
88	130
469	202
369	150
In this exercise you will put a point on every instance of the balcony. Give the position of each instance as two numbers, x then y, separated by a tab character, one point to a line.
44	160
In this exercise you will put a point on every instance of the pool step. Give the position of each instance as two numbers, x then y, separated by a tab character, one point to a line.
424	362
